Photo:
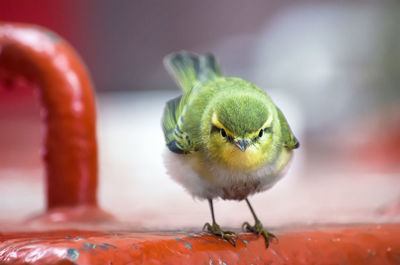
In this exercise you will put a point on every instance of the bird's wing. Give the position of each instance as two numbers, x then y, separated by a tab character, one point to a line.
178	141
189	70
289	140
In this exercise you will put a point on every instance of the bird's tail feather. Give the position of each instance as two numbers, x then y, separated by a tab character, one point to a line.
188	69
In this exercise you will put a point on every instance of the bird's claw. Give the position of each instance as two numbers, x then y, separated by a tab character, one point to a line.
215	229
260	230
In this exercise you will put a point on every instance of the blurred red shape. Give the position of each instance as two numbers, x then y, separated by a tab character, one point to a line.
41	57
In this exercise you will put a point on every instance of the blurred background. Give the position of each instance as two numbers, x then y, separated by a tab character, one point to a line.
333	67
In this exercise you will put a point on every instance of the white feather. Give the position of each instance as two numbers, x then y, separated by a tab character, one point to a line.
225	183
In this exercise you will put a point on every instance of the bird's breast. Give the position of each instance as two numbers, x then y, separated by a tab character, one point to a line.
249	160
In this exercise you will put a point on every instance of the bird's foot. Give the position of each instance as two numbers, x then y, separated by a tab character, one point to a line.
260	230
215	229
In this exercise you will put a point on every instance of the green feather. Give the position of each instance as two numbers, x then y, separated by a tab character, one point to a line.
289	140
177	139
170	118
189	69
240	106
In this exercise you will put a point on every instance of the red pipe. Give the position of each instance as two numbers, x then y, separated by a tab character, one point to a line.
67	110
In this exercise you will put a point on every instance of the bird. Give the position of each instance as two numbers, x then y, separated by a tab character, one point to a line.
225	137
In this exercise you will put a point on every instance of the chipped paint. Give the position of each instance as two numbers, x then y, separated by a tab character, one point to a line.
188	245
49	34
109	245
102	247
73	253
379	246
89	245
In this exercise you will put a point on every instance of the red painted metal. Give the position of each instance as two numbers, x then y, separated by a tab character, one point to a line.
68	111
365	244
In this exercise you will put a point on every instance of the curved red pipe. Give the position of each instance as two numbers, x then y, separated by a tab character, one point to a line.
67	109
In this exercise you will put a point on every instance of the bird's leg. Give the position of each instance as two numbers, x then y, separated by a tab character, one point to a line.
258	228
215	229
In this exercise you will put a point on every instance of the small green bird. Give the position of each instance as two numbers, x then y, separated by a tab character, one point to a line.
227	138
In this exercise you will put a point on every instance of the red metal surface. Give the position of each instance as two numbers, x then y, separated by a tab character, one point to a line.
367	244
68	111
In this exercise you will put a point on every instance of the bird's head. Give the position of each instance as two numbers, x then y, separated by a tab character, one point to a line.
241	131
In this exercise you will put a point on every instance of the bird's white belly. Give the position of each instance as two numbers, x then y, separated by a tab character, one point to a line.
206	180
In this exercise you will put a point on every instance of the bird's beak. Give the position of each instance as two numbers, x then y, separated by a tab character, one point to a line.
242	144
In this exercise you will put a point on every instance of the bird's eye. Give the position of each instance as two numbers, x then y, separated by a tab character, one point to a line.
223	133
261	133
